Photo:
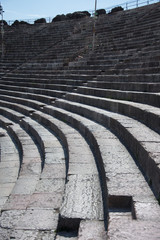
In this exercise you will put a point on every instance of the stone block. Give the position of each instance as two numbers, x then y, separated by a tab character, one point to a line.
56	170
92	229
40	219
83	198
25	185
50	185
45	201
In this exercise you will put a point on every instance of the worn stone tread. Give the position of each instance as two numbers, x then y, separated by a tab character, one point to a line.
119	173
9	167
134	96
141	140
82	176
147	114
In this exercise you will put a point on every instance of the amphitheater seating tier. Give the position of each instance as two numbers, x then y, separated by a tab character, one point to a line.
79	128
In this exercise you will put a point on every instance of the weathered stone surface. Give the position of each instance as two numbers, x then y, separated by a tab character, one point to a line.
23	235
54	171
9	219
45	201
30	169
148	211
4	234
50	185
38	220
2	202
82	169
7	234
65	237
54	157
92	230
122	227
82	198
5	189
25	185
46	235
8	175
17	202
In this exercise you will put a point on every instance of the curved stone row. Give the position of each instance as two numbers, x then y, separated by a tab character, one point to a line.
9	166
30	199
142	142
62	115
36	199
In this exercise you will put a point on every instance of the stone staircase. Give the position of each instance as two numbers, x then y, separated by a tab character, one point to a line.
80	129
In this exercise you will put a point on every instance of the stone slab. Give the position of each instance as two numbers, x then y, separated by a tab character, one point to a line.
38	220
8	175
54	171
9	164
54	157
17	202
45	201
82	198
9	219
147	211
50	185
30	169
92	230
65	238
5	189
25	185
124	228
82	169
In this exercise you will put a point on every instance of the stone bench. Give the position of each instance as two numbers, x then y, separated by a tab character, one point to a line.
9	163
33	193
72	164
144	113
140	97
35	94
136	136
126	86
82	123
129	77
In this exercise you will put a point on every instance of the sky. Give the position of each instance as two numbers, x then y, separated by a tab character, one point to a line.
33	9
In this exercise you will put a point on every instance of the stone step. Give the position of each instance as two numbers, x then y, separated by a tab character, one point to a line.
140	97
20	107
29	172
51	75
130	78
9	163
128	39
126	86
44	81
32	196
21	90
23	102
31	72
34	97
77	178
144	113
72	172
132	71
26	84
102	140
141	141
